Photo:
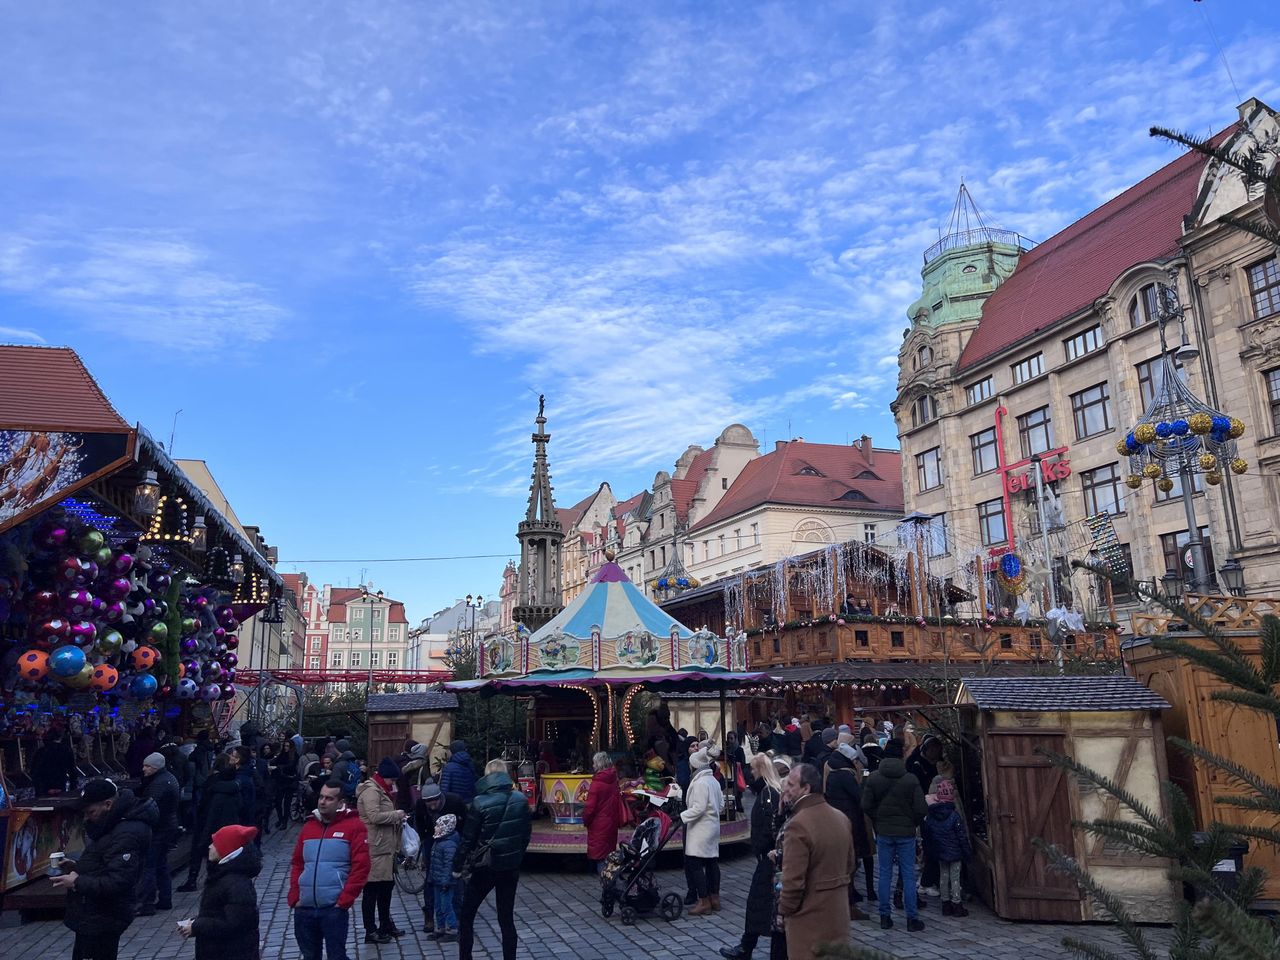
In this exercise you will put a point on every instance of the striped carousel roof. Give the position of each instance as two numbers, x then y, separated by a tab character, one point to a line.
615	605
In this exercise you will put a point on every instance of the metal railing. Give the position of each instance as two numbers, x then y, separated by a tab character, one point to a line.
965	238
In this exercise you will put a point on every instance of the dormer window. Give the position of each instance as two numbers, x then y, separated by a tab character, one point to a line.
854	495
969	268
808	471
867	475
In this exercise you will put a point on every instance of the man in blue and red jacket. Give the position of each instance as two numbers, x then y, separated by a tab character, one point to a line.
330	866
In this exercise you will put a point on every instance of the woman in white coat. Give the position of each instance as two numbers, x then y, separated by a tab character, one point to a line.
703	802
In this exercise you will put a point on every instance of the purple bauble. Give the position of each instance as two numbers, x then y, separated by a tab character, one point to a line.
210	692
201	602
219	634
189	645
71	569
148	606
114	612
232	641
229	659
84	633
226	617
159	581
78	603
213	670
53	537
88	572
119	588
229	676
228	691
121	564
232	625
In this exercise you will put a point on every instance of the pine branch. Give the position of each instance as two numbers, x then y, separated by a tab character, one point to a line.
1261	834
1271	648
1088	949
1140	809
1235	772
1247	165
1262	702
1231	667
1134	836
1103	897
1238	935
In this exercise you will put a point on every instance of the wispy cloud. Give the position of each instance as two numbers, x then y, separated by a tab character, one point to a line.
17	333
152	287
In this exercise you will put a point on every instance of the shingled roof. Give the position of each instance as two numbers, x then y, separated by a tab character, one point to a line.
1071	694
404	702
49	387
829	476
1076	266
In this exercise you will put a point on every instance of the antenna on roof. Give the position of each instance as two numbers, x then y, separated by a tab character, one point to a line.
173	432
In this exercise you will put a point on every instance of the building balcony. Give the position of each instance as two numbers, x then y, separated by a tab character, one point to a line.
894	639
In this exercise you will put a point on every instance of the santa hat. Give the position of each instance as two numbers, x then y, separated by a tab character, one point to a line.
230	840
946	792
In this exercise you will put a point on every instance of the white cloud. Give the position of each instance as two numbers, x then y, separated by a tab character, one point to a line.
17	333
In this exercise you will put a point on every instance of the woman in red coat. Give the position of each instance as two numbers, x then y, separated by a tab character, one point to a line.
605	811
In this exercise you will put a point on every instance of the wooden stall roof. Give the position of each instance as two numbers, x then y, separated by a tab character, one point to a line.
858	671
409	702
1070	694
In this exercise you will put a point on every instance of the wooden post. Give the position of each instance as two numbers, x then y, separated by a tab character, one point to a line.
1111	600
911	582
982	587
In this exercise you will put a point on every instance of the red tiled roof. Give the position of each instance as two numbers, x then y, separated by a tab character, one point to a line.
830	481
568	516
50	387
338	599
1074	267
685	489
396	614
626	506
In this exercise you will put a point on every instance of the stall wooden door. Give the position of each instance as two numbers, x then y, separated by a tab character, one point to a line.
1027	798
386	737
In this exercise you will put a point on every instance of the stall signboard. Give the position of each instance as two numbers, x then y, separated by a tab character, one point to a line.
33	835
40	467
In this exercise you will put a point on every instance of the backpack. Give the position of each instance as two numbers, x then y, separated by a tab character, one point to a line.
351	779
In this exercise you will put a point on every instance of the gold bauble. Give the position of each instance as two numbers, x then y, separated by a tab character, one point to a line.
1133	481
1208	461
1237	428
1239	466
1164	484
1144	432
1213	479
80	680
1122	447
1151	471
1200	423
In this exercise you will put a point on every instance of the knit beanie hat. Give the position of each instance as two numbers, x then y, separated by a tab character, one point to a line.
445	825
946	792
830	734
419	751
154	760
388	769
227	840
845	737
700	760
343	746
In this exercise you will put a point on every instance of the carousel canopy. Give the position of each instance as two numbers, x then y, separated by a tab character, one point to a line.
545	681
613	604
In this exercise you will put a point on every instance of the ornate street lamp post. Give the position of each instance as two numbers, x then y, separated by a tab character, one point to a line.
1180	434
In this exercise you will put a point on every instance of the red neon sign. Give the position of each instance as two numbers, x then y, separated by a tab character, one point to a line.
1013	482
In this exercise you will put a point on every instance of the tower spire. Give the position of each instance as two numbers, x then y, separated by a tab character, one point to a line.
539	596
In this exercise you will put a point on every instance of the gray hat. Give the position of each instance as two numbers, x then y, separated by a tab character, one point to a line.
154	760
430	791
418	751
830	734
343	745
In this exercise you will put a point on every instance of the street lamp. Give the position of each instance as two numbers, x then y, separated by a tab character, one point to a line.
1172	583
370	599
1232	573
471	633
1180	434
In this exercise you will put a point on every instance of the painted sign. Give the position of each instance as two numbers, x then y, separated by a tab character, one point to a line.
1014	477
40	467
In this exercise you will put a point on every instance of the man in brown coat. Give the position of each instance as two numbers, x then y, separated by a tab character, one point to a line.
817	861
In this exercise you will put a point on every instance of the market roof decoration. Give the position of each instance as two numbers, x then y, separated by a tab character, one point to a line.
1049	694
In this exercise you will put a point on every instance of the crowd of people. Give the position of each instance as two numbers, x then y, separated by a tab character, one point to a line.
824	801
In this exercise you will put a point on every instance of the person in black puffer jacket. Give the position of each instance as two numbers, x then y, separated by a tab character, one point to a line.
227	926
220	807
844	792
498	818
100	885
160	785
766	817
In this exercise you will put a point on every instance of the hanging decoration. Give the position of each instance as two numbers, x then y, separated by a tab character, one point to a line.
1011	574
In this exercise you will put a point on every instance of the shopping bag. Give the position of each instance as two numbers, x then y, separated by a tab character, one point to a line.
410	842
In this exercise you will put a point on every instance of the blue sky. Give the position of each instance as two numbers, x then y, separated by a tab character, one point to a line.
351	242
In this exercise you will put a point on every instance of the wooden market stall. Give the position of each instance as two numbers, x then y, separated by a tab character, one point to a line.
1111	724
396	717
1240	735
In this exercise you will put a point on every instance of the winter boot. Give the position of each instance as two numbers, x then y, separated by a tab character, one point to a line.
701	908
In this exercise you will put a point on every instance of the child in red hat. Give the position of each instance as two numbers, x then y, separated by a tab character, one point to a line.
227	926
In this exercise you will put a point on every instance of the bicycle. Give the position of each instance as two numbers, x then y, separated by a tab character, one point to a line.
410	873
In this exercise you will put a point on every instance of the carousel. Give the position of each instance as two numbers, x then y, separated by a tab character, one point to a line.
579	676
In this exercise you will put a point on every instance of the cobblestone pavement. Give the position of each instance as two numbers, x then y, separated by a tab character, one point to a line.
558	915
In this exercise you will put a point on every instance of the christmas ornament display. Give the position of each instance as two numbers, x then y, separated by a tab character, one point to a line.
66	662
33	665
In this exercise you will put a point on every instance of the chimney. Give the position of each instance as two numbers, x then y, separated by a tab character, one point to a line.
778	445
868	452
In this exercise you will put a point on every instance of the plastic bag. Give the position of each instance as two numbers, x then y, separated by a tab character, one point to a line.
410	842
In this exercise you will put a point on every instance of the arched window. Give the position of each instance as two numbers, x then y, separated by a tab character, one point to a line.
924	410
812	531
1142	308
925	355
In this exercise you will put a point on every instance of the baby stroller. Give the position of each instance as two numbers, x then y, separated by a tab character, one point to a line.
628	879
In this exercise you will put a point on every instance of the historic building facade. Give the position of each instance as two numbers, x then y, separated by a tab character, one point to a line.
1051	351
366	631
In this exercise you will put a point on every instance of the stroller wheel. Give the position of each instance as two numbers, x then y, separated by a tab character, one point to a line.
628	916
606	907
671	908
